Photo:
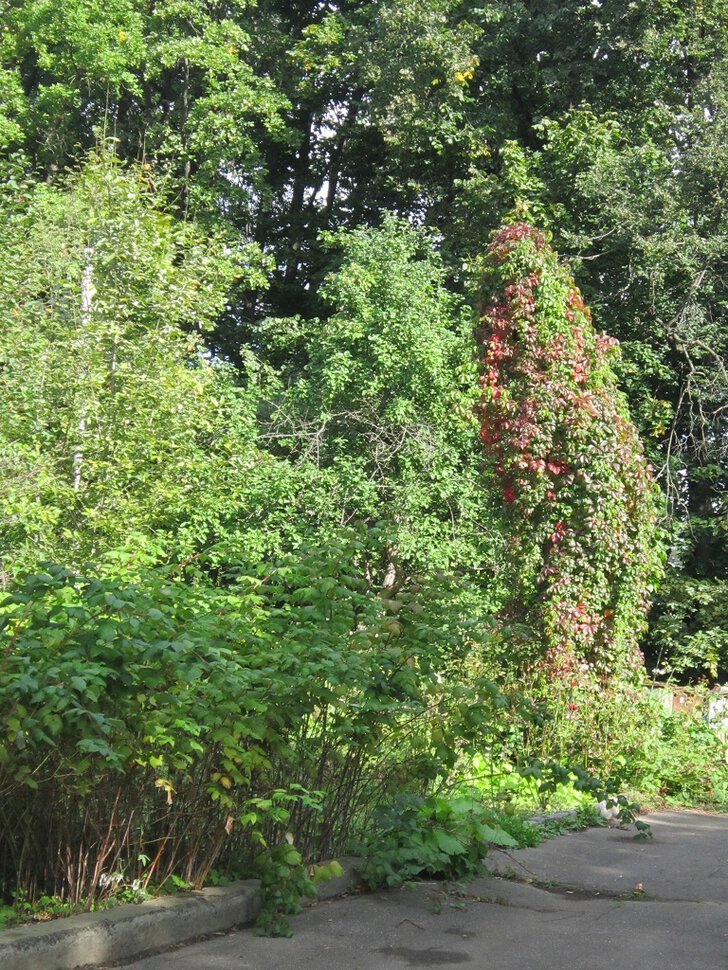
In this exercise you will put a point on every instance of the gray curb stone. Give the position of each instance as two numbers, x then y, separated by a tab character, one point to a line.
552	817
129	932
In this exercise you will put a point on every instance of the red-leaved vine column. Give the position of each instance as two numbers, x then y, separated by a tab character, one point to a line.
580	504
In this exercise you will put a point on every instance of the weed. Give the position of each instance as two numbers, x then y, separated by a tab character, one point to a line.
436	837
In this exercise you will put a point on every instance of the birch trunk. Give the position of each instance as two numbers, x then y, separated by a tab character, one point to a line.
87	292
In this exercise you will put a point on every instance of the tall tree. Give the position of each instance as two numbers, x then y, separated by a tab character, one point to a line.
376	398
579	500
112	418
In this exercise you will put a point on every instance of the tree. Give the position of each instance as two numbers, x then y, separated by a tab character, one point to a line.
113	420
646	210
173	83
579	500
376	398
602	122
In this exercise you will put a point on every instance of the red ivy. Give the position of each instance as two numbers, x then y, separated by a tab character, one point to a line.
579	500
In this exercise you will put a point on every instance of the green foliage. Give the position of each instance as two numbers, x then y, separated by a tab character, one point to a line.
641	200
622	732
113	420
377	399
433	837
284	880
528	833
47	908
171	395
105	677
144	703
291	696
689	634
174	80
680	760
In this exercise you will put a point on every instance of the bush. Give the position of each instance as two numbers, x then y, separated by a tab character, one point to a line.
623	733
681	760
434	837
130	712
154	723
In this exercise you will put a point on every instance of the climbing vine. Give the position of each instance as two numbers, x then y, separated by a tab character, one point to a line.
579	499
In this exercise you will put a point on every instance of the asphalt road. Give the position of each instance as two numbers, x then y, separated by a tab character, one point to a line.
596	899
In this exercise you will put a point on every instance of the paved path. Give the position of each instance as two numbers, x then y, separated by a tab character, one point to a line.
597	899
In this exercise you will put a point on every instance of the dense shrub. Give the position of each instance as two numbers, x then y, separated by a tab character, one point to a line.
154	722
129	713
677	757
434	837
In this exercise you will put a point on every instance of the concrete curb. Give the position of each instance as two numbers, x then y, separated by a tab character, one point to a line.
348	881
130	932
552	817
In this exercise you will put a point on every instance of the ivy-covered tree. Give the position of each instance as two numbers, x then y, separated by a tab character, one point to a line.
578	495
